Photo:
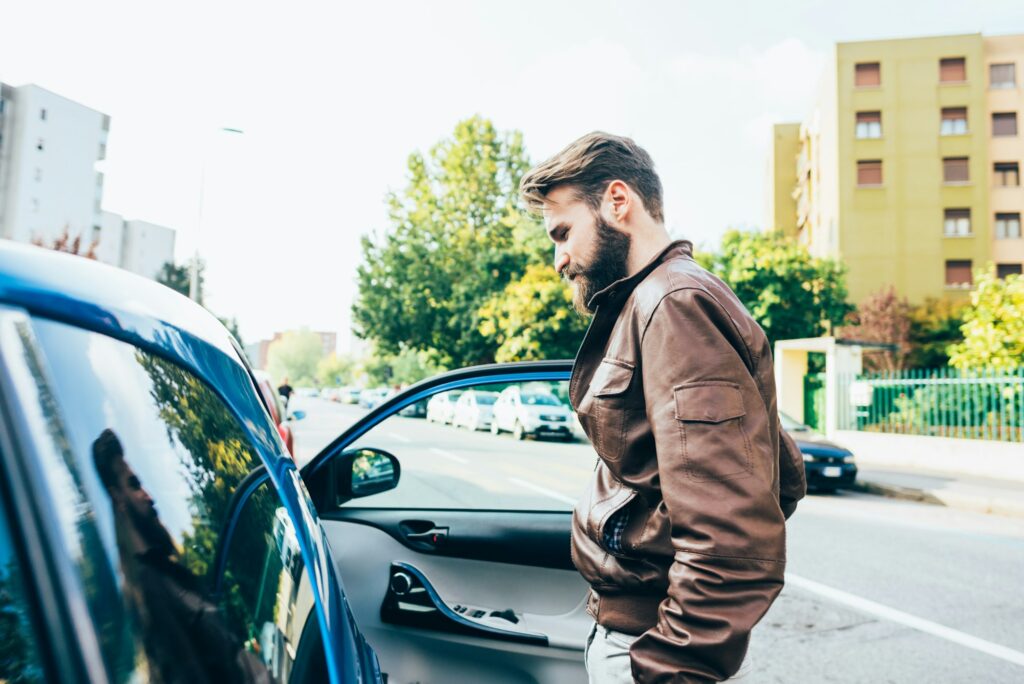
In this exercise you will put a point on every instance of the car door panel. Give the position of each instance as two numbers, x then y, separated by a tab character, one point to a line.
538	539
546	601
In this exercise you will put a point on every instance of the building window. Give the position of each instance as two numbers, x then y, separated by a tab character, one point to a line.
869	124
955	170
42	114
1007	226
953	70
39	144
958	273
35	206
1002	75
1003	270
1007	174
954	121
867	74
39	174
958	222
869	172
1004	123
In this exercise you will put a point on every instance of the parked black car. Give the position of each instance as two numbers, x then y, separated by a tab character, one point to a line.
829	466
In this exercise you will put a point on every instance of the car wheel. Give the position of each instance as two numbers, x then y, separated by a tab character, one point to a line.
495	430
518	432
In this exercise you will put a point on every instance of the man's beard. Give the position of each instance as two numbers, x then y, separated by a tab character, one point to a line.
607	264
153	532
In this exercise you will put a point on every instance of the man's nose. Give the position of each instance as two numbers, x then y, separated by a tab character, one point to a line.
561	261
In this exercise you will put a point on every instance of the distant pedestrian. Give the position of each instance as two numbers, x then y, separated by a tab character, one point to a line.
682	532
285	390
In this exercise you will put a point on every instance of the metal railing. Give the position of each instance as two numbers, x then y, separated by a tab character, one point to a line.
941	402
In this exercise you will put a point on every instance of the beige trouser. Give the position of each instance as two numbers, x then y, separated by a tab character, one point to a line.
607	658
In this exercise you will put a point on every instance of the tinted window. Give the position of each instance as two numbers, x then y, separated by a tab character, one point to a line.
156	458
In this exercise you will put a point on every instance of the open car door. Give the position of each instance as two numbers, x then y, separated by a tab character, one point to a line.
452	538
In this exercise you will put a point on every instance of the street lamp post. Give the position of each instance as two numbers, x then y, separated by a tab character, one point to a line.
193	284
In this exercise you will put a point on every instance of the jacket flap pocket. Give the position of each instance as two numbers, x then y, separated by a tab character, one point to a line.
708	402
611	378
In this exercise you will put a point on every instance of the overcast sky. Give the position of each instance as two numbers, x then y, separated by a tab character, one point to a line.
333	96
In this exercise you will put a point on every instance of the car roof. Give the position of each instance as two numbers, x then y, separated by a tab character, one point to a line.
94	296
89	294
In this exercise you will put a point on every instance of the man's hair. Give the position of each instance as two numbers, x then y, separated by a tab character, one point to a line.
106	450
589	165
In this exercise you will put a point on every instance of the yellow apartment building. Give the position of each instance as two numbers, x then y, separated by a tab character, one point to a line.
907	169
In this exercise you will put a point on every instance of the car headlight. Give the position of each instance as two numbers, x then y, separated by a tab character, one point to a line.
807	457
848	458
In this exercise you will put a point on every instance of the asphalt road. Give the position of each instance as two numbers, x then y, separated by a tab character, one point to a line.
877	590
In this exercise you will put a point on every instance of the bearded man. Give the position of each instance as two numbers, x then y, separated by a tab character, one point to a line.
681	534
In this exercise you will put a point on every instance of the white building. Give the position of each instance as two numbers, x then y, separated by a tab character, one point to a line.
138	246
49	147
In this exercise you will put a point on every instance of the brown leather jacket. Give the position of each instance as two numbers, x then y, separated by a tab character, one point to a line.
674	385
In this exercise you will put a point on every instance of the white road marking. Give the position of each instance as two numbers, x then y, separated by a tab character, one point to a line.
399	438
449	455
542	490
928	627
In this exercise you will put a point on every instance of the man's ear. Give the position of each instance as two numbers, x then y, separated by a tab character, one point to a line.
619	200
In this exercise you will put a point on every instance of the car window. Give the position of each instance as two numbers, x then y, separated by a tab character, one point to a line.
491	456
19	659
265	591
154	459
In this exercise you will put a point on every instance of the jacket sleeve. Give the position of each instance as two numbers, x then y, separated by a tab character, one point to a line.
718	460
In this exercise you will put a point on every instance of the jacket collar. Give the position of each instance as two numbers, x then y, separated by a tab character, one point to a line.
678	247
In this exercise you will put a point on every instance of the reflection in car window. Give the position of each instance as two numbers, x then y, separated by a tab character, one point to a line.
156	460
498	455
19	661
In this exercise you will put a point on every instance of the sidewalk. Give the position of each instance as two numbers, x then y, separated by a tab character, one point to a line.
965	492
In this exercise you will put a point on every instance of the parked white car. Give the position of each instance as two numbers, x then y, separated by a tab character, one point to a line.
474	410
531	413
441	407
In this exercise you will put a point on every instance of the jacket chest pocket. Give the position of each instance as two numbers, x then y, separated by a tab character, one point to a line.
605	408
715	443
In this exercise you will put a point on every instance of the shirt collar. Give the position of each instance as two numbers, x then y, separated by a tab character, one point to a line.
680	247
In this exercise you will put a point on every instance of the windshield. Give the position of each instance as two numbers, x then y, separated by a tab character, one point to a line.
541	400
790	425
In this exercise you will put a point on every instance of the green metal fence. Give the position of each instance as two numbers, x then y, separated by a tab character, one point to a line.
940	402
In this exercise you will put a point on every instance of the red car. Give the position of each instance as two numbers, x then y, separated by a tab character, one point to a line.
277	410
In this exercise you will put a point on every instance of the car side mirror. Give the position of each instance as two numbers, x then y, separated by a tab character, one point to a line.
297	415
362	472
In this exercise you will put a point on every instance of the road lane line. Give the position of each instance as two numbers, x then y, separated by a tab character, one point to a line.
397	437
449	455
927	626
543	490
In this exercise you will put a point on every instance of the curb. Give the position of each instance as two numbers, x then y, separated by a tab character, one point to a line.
965	502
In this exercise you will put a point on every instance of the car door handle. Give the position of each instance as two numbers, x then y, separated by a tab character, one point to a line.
423	533
433	537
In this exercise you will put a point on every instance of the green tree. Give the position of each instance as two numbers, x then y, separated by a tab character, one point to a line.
178	277
533	318
334	371
405	368
934	327
457	237
789	292
993	326
296	356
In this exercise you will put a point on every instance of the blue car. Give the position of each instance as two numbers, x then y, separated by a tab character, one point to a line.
153	526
